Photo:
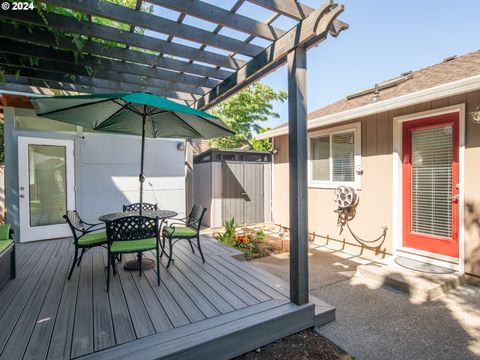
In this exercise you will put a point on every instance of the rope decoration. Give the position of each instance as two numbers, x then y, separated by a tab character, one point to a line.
347	200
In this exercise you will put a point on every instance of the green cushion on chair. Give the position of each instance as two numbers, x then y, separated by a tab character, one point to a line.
179	231
133	245
4	244
93	238
4	231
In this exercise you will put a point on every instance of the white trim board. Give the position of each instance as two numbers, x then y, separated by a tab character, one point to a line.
433	93
41	232
397	213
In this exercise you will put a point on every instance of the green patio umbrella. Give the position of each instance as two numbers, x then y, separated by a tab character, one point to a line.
141	114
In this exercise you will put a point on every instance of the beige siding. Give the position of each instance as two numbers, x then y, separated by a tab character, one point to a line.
375	207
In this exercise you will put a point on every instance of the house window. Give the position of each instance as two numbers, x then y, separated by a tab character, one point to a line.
334	156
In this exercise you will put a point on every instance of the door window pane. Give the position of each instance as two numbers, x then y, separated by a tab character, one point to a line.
320	157
432	181
47	184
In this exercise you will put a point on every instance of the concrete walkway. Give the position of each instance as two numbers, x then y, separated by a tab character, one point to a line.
381	323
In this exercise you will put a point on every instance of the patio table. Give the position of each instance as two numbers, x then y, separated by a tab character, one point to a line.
161	214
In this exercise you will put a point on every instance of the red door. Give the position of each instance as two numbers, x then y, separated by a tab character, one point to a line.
431	184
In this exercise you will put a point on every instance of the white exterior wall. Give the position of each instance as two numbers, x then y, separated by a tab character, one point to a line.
107	168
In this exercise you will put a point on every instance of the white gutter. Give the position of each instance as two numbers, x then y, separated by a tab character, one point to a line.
433	93
21	93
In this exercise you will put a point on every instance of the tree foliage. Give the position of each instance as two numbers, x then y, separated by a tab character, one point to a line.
77	39
243	112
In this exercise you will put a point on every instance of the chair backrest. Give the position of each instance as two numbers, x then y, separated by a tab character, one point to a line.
136	207
75	222
195	217
132	228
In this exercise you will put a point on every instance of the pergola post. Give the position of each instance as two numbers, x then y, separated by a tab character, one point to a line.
297	151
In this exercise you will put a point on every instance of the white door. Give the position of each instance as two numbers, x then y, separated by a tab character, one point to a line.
46	187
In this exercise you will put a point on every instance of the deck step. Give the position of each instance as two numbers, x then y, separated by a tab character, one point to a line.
421	281
324	313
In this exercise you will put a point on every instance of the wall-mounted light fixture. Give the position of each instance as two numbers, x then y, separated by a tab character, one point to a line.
475	115
181	146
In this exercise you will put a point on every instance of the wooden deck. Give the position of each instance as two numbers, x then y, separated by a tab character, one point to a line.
216	310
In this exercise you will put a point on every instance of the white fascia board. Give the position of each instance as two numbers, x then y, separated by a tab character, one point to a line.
21	93
433	93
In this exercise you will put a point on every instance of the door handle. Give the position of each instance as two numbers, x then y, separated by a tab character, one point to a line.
22	196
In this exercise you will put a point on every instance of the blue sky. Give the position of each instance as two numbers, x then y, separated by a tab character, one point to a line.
386	38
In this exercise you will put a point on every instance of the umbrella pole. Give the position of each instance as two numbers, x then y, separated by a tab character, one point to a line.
141	177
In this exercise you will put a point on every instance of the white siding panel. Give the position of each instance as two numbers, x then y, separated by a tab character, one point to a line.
107	174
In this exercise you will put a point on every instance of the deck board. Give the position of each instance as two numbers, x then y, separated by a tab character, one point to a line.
141	321
195	271
60	342
46	316
234	287
104	335
40	338
28	318
10	291
83	328
122	322
14	306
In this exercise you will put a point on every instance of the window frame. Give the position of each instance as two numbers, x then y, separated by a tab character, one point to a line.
331	184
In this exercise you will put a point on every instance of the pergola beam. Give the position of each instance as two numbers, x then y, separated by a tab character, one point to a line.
58	60
20	84
29	85
44	37
290	8
70	24
296	10
106	85
156	23
307	33
223	17
184	91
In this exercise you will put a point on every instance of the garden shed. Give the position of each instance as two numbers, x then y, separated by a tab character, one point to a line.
234	184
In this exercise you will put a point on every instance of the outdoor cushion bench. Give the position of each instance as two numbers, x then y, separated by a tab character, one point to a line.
7	255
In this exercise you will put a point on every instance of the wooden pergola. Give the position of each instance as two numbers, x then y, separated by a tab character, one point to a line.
71	50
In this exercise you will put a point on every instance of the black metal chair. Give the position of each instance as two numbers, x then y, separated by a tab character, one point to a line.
189	229
136	207
132	234
85	236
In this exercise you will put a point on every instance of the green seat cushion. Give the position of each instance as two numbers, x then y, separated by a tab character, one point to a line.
4	244
179	231
4	231
93	238
133	245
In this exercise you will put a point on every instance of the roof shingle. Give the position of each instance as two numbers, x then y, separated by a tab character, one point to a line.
445	72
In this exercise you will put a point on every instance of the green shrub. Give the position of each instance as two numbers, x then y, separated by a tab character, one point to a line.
249	241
